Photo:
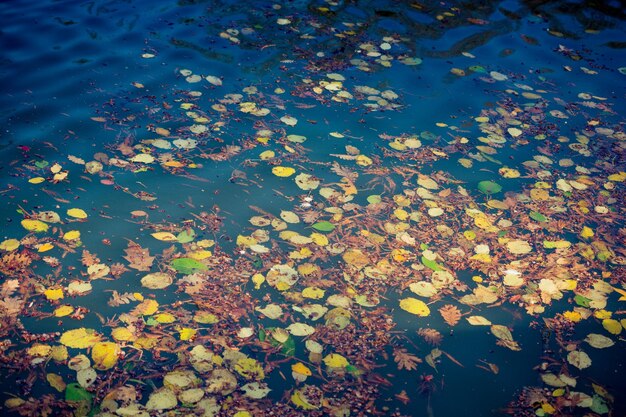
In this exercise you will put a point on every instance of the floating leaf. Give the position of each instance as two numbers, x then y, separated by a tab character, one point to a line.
414	306
75	393
54	294
77	213
335	360
34	225
612	326
105	355
187	333
63	311
164	236
537	216
56	382
10	244
280	171
156	280
71	235
80	338
599	341
187	265
323	226
489	187
478	321
579	359
518	247
162	399
186	236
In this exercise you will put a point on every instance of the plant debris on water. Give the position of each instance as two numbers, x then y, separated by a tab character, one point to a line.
252	256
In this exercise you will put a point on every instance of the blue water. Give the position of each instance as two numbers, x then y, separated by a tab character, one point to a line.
85	81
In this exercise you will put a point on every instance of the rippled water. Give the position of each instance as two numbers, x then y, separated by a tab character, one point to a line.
398	111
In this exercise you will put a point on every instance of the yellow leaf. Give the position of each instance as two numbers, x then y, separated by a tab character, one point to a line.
200	254
400	255
612	326
80	338
146	308
573	316
187	333
319	239
123	334
401	214
63	311
56	382
174	164
165	318
482	221
55	294
104	355
36	180
77	213
280	171
71	235
246	240
45	247
164	236
39	349
602	314
138	296
586	233
313	292
59	353
335	360
146	342
34	225
414	306
249	369
258	279
619	177
547	408
301	369
10	244
509	172
265	155
363	160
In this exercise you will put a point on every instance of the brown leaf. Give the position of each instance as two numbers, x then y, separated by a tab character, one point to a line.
9	287
451	314
118	299
11	306
405	360
118	269
89	258
138	257
431	336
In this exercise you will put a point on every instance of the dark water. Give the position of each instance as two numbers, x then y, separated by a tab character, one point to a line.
379	145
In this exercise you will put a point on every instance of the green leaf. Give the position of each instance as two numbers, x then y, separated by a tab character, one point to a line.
41	164
186	236
489	187
537	216
324	226
374	199
599	405
289	347
187	265
582	301
74	392
431	264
